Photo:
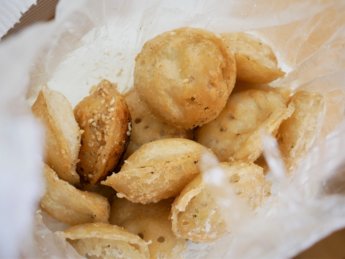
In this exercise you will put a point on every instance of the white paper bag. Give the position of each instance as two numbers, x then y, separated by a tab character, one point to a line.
92	40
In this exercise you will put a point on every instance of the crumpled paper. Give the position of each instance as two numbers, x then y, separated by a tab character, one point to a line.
92	40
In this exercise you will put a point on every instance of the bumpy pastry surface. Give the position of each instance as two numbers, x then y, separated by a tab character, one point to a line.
297	134
236	134
62	133
146	127
151	222
104	118
195	214
157	170
101	240
72	206
255	61
185	76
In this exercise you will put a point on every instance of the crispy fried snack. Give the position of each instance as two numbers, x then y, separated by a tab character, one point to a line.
151	222
157	170
100	240
236	133
146	127
255	61
185	76
62	133
297	134
196	216
104	117
70	205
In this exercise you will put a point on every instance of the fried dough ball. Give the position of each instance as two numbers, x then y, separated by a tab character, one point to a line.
157	170
69	205
185	76
236	133
100	240
104	117
255	61
297	134
151	222
195	214
146	127
62	133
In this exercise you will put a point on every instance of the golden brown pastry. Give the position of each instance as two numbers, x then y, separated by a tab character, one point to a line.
62	133
255	61
195	214
151	222
100	240
104	117
236	134
297	134
146	127
69	205
185	76
157	170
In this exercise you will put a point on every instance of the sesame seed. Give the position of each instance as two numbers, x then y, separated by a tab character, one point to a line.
120	195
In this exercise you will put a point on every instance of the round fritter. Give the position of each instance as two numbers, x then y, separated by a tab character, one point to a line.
196	216
185	76
297	134
255	61
100	240
157	170
236	134
62	133
152	223
104	117
67	204
146	127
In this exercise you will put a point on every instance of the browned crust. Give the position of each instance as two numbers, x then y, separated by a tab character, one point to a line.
61	145
69	205
185	76
104	117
